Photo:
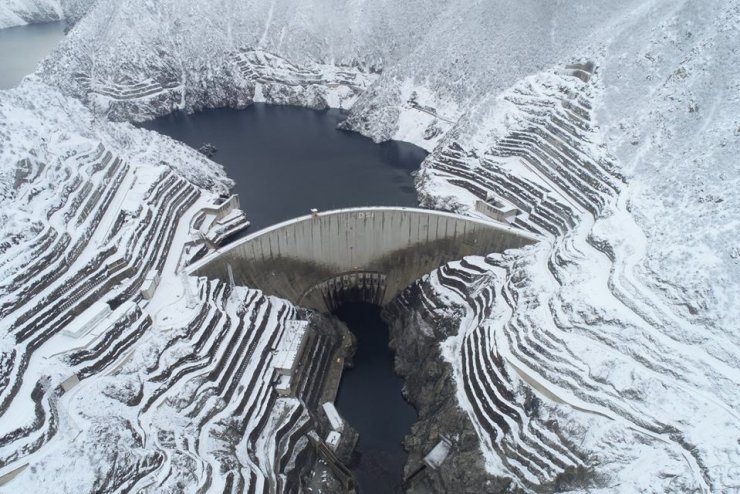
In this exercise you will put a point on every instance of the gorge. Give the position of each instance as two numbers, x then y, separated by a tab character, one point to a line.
300	156
586	342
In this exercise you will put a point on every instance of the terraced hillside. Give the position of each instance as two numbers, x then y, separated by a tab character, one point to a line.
101	365
260	76
605	357
560	359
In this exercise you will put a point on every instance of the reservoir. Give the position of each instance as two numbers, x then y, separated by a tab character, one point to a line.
23	47
285	161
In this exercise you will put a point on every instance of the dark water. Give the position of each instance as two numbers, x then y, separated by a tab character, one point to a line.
287	160
23	47
370	400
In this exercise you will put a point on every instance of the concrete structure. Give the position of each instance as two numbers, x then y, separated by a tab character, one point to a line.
151	281
10	475
290	348
209	217
287	356
70	382
496	210
92	316
115	264
438	454
335	420
369	254
283	384
333	439
216	212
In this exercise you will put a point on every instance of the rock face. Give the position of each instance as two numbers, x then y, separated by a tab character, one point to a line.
416	335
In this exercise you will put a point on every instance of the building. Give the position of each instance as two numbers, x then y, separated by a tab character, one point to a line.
333	439
438	454
335	420
151	282
70	382
497	210
115	264
87	320
288	354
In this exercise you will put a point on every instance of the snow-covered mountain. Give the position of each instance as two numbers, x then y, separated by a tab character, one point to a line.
605	358
22	12
90	210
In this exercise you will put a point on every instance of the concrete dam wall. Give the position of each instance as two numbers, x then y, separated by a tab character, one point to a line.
360	254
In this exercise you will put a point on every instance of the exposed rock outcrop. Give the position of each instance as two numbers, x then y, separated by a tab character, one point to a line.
416	335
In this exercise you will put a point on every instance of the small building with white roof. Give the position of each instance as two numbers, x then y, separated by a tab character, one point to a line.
438	454
288	354
151	282
87	320
333	439
335	420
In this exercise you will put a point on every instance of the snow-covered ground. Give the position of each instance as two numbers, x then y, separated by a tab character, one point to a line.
89	210
22	12
611	126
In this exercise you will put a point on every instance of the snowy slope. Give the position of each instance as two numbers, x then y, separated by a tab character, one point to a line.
22	12
579	318
177	385
445	47
611	127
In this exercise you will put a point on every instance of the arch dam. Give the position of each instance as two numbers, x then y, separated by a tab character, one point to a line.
369	254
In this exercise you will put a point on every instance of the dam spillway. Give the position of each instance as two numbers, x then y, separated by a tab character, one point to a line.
369	254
